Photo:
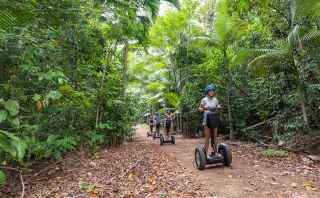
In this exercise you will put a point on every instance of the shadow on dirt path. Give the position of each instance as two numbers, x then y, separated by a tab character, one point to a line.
251	174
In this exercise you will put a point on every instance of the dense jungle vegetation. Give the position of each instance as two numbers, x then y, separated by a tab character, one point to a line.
80	73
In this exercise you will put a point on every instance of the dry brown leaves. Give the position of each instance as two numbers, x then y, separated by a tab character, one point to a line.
133	170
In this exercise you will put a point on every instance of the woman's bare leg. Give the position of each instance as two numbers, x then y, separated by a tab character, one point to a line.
215	139
207	134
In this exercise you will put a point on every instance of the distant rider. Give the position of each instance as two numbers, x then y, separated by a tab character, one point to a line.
158	123
151	123
167	123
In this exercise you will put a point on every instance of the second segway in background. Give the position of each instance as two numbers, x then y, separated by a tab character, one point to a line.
167	137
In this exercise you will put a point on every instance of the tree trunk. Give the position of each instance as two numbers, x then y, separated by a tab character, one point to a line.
301	96
301	92
229	82
97	115
125	66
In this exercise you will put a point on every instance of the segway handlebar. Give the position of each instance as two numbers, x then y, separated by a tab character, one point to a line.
214	109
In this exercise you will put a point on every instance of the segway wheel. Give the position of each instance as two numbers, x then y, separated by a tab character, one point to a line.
225	151
200	158
173	140
161	140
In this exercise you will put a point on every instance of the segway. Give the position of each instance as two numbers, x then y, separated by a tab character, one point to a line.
163	141
223	154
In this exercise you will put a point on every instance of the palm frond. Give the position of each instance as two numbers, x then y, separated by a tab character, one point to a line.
211	39
269	56
304	8
228	27
222	22
265	62
310	36
293	9
153	6
242	56
176	3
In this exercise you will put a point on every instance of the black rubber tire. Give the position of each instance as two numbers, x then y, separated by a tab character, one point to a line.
202	159
225	151
173	140
161	140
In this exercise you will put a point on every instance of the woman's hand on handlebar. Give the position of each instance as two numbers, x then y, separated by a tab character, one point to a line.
202	109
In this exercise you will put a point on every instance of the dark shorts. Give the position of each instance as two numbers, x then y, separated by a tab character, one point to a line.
158	125
168	124
213	120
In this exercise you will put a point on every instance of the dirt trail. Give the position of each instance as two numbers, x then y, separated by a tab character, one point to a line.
143	168
251	174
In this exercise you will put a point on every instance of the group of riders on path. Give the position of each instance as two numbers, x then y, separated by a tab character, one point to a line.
209	105
155	121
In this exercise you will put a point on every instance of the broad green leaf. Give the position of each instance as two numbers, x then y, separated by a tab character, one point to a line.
12	106
15	122
2	101
6	144
66	89
54	95
36	97
3	115
12	145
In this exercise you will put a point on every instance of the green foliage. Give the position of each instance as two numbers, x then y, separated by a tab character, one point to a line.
53	147
172	99
12	107
61	80
3	178
93	140
274	153
262	55
12	145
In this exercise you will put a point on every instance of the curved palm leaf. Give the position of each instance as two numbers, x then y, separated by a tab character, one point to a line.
310	36
266	59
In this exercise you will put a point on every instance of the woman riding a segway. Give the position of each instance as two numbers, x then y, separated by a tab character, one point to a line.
210	107
168	121
221	153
